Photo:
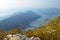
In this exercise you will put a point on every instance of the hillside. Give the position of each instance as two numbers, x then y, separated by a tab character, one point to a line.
54	24
50	31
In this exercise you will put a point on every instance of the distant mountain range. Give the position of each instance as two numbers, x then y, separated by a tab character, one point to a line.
31	18
46	15
19	20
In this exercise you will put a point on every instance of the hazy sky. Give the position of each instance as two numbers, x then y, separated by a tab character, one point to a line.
15	4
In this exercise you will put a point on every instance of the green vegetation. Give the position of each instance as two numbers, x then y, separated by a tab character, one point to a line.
15	31
50	31
29	33
2	34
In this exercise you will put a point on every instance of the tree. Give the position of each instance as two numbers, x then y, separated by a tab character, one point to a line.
2	34
29	33
38	33
15	31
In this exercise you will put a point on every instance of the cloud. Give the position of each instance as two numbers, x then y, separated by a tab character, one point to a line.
16	4
7	4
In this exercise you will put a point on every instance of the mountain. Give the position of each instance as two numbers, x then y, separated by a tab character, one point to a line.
50	31
39	22
18	20
47	14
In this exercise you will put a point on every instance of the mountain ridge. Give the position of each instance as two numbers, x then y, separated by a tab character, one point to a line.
49	31
19	21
